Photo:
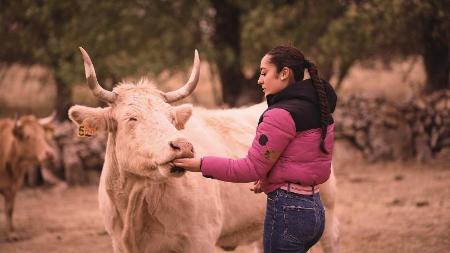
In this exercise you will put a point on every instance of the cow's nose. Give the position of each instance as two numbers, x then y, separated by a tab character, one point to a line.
49	154
183	147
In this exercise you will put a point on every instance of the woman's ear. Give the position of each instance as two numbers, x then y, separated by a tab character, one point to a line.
284	74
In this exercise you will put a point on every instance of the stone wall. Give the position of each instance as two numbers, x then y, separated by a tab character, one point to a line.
386	130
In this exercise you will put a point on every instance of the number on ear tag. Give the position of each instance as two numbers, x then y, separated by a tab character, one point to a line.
85	131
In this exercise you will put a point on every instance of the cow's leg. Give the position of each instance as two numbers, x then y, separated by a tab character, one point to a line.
50	178
9	208
32	176
330	237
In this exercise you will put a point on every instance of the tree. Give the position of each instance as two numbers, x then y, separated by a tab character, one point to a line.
227	45
304	24
434	34
245	30
130	37
34	37
394	29
124	35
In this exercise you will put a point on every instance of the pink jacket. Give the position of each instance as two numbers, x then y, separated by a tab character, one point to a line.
279	154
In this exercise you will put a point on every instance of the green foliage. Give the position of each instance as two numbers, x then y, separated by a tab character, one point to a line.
341	32
300	23
122	37
141	36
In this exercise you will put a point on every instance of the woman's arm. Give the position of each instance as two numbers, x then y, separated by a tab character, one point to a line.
272	136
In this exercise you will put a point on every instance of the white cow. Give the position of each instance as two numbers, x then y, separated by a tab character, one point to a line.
149	205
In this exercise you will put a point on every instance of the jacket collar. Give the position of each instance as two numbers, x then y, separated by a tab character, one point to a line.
304	90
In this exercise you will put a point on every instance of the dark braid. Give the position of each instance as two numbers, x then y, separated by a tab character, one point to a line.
323	102
291	57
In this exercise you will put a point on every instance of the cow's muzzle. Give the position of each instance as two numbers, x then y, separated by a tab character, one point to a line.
46	156
182	148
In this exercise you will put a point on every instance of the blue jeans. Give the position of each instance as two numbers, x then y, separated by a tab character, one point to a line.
294	222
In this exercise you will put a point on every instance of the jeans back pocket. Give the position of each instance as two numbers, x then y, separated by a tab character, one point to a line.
300	222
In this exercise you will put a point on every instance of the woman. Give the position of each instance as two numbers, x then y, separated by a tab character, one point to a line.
291	152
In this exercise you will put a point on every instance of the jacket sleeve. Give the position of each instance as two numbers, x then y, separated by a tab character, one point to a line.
273	135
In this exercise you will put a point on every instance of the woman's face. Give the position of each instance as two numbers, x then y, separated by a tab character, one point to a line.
271	81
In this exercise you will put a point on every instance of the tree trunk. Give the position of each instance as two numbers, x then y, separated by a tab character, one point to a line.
344	68
251	91
435	56
227	41
236	89
63	99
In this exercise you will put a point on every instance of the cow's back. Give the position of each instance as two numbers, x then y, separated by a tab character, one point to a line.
229	133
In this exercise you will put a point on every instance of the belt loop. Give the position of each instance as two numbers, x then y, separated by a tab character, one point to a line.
289	187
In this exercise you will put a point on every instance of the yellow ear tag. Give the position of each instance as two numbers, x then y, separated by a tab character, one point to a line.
86	131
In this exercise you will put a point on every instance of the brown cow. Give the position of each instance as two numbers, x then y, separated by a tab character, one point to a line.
22	145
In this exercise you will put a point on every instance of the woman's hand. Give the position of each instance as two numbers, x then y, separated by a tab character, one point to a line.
257	187
190	164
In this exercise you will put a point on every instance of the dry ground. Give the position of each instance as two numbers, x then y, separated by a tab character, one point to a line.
392	207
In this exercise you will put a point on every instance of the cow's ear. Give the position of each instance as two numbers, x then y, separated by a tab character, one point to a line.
90	120
181	115
18	129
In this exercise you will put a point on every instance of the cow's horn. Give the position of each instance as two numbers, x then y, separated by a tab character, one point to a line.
16	120
47	120
99	92
189	87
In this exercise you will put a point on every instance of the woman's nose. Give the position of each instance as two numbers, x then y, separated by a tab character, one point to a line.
260	80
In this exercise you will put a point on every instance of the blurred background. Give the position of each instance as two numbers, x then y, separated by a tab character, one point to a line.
387	59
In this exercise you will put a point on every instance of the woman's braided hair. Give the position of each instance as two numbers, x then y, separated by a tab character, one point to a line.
291	57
